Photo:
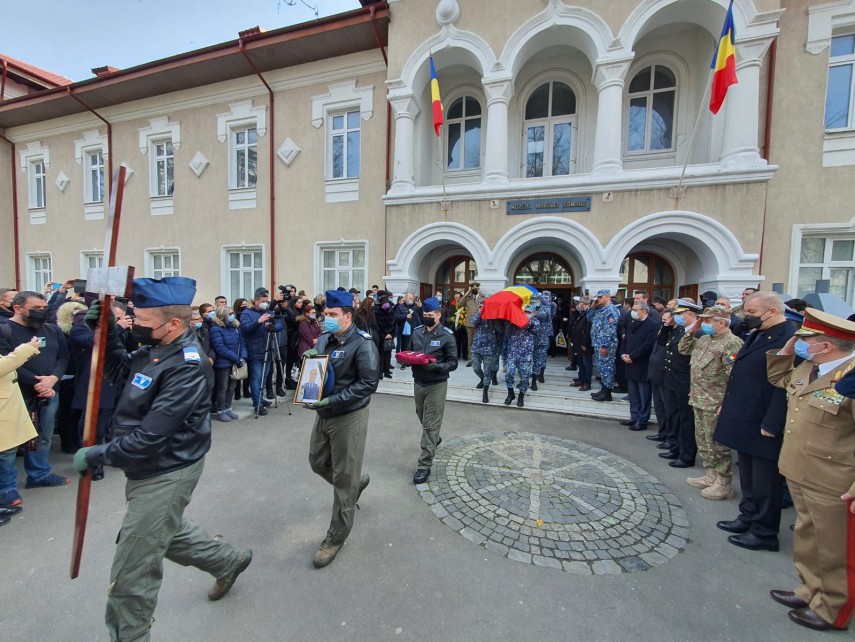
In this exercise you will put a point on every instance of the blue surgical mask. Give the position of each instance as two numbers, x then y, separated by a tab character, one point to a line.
212	314
197	325
679	320
231	318
801	348
331	325
707	328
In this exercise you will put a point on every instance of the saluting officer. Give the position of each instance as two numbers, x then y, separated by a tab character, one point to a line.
337	445
161	433
817	462
431	381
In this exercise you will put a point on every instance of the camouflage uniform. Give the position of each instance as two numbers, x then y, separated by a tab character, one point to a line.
604	322
485	347
520	347
712	359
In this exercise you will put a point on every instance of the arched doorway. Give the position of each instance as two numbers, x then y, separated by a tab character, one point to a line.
454	275
546	271
646	271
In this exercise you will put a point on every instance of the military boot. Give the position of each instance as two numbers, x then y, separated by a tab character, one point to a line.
533	385
494	381
511	396
485	398
326	553
605	394
540	375
520	403
702	482
720	489
480	385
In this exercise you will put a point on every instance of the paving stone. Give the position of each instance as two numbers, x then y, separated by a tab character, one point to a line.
539	560
519	556
606	567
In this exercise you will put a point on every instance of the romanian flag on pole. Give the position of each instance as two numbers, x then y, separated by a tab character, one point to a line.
435	99
724	62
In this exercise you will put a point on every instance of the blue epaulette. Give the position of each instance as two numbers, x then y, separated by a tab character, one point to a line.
448	330
364	334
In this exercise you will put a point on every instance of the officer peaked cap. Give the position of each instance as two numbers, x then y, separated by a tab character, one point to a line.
818	322
170	290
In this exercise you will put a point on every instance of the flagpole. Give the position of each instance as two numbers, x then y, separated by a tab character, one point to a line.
677	194
444	205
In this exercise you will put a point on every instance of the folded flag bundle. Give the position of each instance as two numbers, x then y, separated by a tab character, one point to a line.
410	358
508	304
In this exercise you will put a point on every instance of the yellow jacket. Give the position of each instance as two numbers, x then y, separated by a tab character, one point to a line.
15	424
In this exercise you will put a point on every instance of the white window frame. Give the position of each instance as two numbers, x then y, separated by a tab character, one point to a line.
87	257
648	95
225	284
342	97
342	245
37	276
343	134
35	153
94	186
846	60
830	232
37	184
91	143
453	96
235	149
158	273
159	130
241	116
158	159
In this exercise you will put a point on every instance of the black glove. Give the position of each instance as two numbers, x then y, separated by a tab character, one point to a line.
94	314
240	363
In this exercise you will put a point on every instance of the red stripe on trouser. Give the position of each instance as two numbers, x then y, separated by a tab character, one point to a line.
846	612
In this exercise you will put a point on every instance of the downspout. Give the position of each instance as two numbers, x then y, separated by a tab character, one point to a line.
109	153
17	242
3	82
373	9
272	155
767	135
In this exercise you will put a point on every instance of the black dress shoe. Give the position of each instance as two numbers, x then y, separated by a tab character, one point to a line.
627	422
788	598
8	511
665	446
679	463
480	385
4	520
421	475
668	455
811	620
655	438
638	427
734	526
754	543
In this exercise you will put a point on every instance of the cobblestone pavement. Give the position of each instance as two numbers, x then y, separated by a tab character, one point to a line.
555	502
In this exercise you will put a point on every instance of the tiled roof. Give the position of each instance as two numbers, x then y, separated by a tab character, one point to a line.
48	78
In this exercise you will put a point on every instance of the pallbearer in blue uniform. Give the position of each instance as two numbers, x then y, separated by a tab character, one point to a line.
543	314
161	433
604	318
520	346
431	381
485	351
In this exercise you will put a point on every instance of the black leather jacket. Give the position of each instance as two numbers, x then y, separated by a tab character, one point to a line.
438	343
162	420
356	363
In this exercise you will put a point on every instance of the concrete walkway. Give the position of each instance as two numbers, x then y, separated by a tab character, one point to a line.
404	574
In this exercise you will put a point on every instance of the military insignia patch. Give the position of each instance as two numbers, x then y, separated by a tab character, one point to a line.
730	358
434	344
830	395
191	355
141	381
337	354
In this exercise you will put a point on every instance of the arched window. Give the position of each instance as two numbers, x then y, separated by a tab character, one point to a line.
652	99
544	271
646	271
463	131
550	118
455	274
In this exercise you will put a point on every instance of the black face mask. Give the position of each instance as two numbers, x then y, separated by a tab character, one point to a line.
142	334
431	322
36	319
752	322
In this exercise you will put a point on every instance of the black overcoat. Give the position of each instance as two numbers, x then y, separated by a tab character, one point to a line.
640	338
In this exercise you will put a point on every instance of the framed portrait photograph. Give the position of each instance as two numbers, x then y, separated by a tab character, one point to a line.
313	373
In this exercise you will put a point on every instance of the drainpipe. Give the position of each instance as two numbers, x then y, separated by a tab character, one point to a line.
379	40
17	242
767	135
3	82
272	155
112	259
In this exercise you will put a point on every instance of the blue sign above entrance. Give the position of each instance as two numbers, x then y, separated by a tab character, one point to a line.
550	205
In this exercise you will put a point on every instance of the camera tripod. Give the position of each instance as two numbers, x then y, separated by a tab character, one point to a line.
271	357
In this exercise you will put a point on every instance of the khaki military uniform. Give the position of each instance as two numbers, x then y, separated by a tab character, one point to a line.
471	303
712	359
818	461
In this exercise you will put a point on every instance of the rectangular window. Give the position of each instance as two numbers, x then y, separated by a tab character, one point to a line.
245	156
840	91
94	177
164	263
343	267
344	145
40	271
829	258
92	260
245	273
37	184
163	170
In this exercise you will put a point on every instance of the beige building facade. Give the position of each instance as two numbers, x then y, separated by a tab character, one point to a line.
560	163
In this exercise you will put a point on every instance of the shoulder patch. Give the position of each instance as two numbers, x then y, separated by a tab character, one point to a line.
363	333
191	355
448	330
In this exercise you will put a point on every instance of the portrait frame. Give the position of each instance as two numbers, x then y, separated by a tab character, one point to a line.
317	364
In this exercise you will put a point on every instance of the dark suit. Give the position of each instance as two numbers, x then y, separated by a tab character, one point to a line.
640	338
751	403
656	377
681	417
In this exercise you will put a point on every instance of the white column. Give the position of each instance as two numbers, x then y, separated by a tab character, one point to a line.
742	108
406	109
609	81
498	94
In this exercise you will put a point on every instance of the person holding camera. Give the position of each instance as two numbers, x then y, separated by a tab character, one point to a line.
291	311
229	350
256	326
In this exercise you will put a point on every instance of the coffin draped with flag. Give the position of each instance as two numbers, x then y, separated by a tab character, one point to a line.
509	304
